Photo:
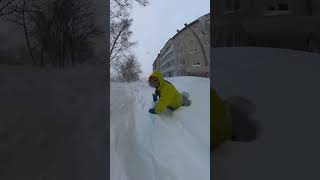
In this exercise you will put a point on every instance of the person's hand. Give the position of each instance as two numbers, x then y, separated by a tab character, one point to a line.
155	97
152	111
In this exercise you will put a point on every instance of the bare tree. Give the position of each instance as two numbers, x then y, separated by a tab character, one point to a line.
19	16
120	30
7	7
119	35
119	9
59	29
130	69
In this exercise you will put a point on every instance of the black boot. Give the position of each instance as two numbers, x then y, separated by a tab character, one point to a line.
171	108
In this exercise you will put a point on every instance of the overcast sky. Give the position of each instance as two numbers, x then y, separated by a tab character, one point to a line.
154	24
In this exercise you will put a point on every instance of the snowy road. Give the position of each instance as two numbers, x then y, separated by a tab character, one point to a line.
167	147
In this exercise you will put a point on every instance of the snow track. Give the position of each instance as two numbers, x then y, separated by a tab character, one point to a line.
153	147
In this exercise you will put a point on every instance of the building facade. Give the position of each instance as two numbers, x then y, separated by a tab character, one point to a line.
156	63
187	52
291	24
167	60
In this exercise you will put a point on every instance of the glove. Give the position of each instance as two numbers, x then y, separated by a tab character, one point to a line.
152	111
155	97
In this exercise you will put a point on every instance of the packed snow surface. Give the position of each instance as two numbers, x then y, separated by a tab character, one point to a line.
284	85
53	123
171	146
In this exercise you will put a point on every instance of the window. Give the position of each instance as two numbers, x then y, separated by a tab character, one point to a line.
229	39
283	6
219	38
236	4
232	39
276	7
232	5
197	64
228	5
270	8
183	72
182	62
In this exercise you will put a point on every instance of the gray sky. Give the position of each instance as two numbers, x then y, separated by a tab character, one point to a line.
154	24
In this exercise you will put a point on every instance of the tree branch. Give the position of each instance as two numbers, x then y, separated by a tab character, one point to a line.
6	5
117	37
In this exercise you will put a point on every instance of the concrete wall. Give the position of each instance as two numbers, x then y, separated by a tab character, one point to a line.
189	46
275	29
189	50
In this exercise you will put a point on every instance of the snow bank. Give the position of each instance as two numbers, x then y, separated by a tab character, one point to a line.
52	123
172	146
284	85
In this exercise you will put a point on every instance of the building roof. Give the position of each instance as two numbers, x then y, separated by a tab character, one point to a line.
188	25
165	45
184	28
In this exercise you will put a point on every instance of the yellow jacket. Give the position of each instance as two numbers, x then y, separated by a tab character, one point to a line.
220	124
169	96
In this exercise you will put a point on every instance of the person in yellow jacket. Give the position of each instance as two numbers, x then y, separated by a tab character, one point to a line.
230	120
168	95
220	125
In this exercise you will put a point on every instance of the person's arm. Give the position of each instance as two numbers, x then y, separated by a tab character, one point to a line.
164	101
155	95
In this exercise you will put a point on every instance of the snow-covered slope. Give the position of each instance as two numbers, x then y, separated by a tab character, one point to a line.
52	123
284	85
151	147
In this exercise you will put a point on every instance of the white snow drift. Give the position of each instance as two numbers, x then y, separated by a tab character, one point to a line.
172	146
53	123
284	85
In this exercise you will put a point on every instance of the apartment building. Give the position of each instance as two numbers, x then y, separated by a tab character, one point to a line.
187	52
291	24
156	63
